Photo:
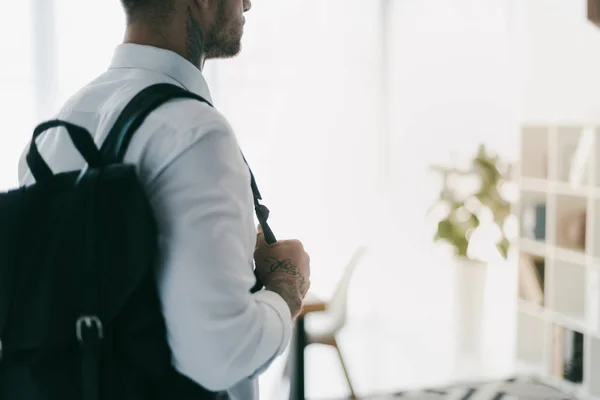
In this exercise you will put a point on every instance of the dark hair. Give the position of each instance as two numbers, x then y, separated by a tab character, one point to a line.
155	9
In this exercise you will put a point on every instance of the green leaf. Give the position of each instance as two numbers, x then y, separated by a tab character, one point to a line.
461	221
474	220
444	230
503	247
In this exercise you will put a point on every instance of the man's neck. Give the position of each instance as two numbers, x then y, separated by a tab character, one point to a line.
142	34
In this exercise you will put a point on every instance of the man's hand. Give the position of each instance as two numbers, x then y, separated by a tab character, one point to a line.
284	268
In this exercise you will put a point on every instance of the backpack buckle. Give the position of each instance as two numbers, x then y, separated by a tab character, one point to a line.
90	322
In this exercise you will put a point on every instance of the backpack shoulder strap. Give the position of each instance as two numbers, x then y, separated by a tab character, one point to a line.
133	115
135	112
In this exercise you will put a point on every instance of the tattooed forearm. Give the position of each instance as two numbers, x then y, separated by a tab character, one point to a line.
288	290
287	267
280	265
288	281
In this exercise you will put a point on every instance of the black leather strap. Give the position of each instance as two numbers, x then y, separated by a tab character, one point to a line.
81	138
262	212
137	110
89	329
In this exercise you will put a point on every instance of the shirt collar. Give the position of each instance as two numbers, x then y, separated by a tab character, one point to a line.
129	55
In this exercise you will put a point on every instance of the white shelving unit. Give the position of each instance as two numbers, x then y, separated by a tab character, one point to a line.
558	321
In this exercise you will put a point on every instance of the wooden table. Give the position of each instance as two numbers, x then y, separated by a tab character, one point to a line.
299	342
312	304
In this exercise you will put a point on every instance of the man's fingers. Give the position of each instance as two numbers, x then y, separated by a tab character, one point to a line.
260	238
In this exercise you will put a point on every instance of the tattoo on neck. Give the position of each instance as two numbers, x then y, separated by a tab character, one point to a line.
194	40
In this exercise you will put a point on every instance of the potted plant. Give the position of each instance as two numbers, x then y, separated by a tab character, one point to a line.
472	207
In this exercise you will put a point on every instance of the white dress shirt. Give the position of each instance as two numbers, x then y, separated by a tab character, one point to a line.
192	169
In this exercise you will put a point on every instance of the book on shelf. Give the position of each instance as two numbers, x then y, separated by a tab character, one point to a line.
531	279
558	345
567	354
533	223
573	356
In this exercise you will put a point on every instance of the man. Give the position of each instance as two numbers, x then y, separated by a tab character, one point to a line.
188	160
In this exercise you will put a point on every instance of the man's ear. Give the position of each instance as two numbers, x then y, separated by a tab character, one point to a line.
202	8
201	4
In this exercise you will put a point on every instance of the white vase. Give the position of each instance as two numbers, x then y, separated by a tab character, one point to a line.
470	279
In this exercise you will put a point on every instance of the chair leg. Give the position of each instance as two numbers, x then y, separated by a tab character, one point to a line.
350	386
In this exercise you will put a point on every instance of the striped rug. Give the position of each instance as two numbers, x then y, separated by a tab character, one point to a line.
511	389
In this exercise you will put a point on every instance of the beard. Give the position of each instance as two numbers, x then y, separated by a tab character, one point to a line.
224	38
224	48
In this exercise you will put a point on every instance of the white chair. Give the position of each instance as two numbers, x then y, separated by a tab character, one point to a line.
333	319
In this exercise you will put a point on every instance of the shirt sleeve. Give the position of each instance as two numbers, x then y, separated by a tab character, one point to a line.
218	331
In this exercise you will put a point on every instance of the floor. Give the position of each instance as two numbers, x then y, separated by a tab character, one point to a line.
413	348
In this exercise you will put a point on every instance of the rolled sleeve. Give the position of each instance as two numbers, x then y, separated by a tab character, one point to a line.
218	331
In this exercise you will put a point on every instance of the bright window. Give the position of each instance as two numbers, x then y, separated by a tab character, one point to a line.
16	83
85	43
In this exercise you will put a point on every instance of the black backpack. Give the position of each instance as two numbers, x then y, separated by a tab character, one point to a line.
80	316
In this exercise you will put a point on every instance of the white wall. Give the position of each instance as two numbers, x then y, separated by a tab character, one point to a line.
563	80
